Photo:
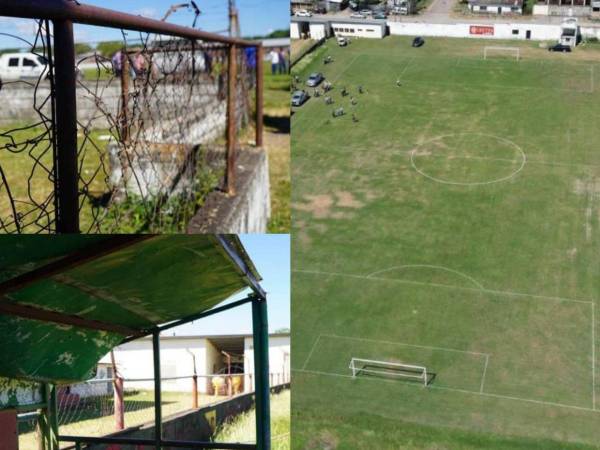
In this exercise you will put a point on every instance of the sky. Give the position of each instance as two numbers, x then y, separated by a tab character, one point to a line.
271	256
257	17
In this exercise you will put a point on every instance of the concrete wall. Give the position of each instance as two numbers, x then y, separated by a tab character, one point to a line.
294	30
195	425
540	32
246	212
318	30
353	29
279	358
562	10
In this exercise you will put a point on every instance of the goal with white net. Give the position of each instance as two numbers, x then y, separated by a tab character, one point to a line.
490	52
388	369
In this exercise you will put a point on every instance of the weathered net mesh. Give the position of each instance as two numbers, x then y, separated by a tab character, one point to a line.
151	123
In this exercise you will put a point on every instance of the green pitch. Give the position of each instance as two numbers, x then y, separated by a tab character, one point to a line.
453	224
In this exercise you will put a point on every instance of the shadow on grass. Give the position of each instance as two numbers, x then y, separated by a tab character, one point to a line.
279	124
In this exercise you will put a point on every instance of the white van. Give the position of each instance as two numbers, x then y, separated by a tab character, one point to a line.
19	66
342	41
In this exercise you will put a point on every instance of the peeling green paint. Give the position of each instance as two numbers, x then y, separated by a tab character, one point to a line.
149	283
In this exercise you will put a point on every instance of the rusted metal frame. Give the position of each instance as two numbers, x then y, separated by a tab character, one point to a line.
231	122
259	96
65	170
75	259
43	315
62	10
157	390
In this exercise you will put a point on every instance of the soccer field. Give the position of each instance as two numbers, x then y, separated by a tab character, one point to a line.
455	225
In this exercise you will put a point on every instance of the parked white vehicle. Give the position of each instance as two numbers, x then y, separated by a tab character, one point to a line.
303	13
19	66
342	41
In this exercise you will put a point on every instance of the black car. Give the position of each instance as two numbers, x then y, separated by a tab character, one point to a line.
418	41
560	48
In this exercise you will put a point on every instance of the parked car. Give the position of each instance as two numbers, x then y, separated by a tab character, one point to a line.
357	16
418	41
299	98
379	15
19	66
303	13
342	41
560	48
365	12
314	79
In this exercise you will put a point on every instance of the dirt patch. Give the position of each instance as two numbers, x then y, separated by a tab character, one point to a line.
318	205
346	199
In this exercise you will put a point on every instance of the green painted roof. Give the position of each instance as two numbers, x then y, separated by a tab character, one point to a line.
147	283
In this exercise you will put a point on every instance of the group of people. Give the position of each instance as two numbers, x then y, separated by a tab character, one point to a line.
278	59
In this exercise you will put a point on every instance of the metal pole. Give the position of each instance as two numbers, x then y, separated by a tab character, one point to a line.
261	369
231	121
195	391
259	95
67	179
52	417
119	404
157	387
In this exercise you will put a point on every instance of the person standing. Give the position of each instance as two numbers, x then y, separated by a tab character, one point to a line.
282	62
274	56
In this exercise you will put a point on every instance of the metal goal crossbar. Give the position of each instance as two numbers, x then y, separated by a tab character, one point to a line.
490	50
395	369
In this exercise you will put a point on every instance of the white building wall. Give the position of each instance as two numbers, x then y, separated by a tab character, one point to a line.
494	9
541	32
294	30
358	30
279	359
318	31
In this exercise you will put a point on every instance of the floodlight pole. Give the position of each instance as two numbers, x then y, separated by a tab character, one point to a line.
261	369
157	387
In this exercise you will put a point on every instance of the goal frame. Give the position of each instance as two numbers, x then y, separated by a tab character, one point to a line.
515	50
357	370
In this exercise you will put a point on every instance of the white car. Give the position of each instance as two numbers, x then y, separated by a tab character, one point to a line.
357	16
342	41
19	66
303	13
365	12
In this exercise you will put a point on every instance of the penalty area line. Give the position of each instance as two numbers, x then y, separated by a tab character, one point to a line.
464	391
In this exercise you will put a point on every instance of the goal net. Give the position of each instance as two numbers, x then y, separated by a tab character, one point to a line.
388	369
490	52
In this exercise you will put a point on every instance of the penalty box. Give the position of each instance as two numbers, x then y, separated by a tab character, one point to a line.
444	367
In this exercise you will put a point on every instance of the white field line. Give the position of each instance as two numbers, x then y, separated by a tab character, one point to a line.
487	360
405	67
591	78
311	351
428	266
594	356
376	341
464	391
447	286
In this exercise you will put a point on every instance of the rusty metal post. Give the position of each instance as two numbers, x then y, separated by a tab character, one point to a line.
66	173
195	391
259	95
231	121
123	116
119	403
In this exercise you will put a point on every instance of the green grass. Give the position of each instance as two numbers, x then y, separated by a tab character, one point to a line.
456	225
243	427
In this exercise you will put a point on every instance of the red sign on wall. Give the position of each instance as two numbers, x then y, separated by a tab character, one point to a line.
480	29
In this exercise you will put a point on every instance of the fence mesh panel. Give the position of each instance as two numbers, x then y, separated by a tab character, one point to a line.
151	122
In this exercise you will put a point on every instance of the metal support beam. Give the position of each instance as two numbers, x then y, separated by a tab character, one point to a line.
231	121
65	169
261	369
259	95
140	442
157	392
242	266
52	416
43	315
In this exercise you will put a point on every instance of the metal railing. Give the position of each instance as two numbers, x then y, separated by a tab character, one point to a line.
126	142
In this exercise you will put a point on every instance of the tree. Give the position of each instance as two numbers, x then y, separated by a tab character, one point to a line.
109	48
82	48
